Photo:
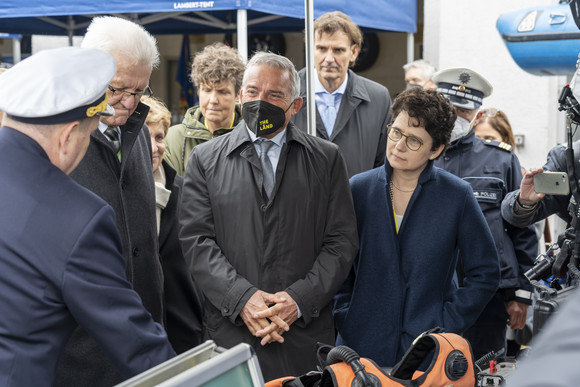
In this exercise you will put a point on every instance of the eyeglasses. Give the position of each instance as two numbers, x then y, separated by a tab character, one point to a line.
412	142
490	112
123	93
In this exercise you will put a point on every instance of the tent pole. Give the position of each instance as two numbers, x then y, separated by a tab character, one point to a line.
410	47
243	34
309	55
16	50
70	30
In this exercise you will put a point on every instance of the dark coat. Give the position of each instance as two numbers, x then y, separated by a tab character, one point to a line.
360	129
302	241
128	186
403	284
492	173
183	300
61	265
550	204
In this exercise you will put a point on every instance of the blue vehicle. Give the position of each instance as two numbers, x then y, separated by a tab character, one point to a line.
542	40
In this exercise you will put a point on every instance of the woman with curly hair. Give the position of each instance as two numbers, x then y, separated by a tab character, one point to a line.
217	73
413	218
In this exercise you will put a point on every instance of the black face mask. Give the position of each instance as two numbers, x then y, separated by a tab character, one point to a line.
263	118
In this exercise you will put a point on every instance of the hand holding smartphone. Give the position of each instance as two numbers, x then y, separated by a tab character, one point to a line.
552	183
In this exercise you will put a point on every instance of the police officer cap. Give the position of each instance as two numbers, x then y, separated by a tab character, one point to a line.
58	85
464	87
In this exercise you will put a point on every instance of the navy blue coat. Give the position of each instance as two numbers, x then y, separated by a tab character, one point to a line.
129	188
61	266
403	284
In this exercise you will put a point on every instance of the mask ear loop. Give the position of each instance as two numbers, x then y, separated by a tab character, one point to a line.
291	104
473	122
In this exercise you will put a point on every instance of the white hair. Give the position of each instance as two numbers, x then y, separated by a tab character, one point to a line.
428	68
121	37
276	61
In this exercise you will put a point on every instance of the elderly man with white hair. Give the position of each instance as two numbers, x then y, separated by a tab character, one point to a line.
118	168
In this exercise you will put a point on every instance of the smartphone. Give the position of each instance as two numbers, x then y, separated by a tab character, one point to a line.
552	183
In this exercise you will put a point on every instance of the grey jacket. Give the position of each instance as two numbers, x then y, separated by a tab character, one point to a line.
303	240
360	129
128	186
550	204
555	354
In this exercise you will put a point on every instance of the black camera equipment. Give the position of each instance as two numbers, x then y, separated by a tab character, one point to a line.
562	259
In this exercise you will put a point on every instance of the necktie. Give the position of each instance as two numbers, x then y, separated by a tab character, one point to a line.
267	169
113	136
331	112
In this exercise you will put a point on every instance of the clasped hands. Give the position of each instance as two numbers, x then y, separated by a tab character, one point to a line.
269	315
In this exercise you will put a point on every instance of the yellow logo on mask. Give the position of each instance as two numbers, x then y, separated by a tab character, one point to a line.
265	125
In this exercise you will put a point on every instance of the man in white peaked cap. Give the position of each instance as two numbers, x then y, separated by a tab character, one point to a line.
60	252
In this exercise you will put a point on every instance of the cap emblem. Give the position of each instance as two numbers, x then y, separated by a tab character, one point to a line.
464	78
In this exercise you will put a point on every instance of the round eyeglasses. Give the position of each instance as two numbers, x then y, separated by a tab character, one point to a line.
116	93
412	142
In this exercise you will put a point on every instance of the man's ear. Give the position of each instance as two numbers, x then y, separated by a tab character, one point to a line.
66	134
297	105
355	48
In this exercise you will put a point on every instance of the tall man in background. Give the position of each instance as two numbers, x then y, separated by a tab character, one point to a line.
117	167
351	111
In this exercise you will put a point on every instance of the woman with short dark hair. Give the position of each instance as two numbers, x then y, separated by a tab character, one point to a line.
413	218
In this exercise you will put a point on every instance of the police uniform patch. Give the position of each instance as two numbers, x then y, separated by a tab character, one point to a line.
499	144
487	195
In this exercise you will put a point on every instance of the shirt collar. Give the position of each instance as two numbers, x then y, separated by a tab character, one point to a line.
318	88
278	139
102	127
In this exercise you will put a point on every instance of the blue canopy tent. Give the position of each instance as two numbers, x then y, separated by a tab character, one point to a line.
71	17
